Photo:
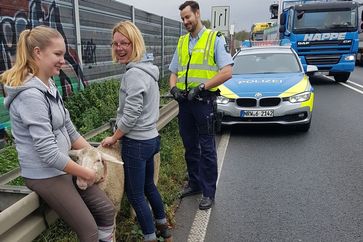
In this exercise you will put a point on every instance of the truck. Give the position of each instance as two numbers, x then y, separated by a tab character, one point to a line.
256	33
359	59
322	32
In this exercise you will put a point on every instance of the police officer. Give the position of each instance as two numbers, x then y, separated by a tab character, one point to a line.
200	63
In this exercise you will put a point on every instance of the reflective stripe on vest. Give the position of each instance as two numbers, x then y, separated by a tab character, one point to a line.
202	66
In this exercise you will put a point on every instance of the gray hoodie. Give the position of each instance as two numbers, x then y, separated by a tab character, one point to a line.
139	100
41	127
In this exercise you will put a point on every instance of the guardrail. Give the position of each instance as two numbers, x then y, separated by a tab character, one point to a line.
25	219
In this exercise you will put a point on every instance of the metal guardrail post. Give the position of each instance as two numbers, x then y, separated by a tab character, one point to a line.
133	14
78	32
162	47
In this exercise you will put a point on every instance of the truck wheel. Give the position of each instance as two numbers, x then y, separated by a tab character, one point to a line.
341	77
358	59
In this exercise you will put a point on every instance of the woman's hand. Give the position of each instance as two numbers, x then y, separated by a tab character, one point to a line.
108	141
90	176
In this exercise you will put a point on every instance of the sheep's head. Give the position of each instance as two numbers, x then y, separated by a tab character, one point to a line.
92	158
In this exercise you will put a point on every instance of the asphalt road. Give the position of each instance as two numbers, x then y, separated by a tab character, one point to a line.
280	185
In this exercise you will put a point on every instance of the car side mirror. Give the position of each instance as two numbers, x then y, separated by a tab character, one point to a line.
311	68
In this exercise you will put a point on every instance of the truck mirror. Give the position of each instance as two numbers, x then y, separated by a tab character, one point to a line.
300	14
274	10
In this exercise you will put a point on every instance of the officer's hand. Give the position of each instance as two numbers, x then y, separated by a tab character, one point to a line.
177	94
195	91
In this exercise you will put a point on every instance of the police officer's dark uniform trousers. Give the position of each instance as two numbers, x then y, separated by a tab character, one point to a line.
196	126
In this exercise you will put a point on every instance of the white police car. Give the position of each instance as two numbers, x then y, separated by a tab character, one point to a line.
268	86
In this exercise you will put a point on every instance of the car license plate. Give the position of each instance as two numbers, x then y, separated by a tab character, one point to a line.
257	113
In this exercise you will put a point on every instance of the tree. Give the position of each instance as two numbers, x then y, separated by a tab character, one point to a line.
242	35
239	36
206	23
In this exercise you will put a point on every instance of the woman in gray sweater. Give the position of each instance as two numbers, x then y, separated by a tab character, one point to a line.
136	119
44	134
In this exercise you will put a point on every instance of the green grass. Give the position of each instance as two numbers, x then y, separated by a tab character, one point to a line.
8	159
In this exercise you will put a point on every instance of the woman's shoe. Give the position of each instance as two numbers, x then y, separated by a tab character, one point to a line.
164	231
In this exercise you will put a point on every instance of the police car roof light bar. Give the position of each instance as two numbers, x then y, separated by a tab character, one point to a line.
248	43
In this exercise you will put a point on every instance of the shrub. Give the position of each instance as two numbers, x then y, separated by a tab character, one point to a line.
94	106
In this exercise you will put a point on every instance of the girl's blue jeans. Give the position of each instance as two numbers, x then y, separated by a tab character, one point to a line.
138	158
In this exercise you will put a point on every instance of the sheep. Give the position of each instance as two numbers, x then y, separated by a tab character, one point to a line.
110	172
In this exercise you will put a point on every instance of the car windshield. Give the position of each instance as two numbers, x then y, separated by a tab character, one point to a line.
325	21
265	63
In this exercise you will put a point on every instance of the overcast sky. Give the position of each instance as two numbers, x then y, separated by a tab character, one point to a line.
243	13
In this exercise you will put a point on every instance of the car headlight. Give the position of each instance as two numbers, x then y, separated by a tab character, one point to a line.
301	97
222	100
349	58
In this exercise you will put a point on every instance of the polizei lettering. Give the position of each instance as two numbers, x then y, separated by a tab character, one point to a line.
272	81
325	36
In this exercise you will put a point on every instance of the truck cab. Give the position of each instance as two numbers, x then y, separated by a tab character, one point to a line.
256	33
323	33
359	59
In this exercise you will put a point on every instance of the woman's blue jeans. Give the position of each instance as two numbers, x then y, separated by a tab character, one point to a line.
138	158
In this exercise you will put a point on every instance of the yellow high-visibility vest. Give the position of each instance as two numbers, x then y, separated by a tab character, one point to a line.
199	66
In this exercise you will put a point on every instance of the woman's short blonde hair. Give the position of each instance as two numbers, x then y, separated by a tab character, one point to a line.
133	34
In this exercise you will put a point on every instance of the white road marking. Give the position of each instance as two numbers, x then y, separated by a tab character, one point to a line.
201	219
348	86
353	83
353	88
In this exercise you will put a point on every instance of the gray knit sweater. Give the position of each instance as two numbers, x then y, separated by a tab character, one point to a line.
139	99
42	129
